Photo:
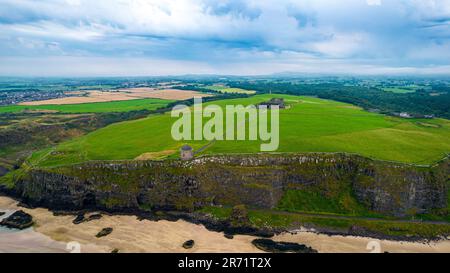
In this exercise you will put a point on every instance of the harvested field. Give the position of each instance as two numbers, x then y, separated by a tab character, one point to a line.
155	155
121	95
167	94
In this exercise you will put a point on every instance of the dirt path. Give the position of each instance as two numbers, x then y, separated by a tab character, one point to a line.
344	217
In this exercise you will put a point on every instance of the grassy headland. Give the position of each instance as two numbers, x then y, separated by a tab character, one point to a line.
309	125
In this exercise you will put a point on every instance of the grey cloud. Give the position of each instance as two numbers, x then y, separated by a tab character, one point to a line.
397	33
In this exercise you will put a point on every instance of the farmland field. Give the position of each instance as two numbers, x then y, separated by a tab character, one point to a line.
224	89
98	107
309	125
93	96
400	90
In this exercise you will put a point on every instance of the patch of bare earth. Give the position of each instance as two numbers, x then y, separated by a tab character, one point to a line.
155	155
121	95
40	111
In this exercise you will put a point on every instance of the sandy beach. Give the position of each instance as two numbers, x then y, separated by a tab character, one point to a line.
130	234
52	233
351	244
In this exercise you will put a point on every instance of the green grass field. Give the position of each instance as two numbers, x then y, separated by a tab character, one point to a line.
225	90
313	202
99	107
309	125
400	90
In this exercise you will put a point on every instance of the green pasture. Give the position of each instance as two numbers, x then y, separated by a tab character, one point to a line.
308	125
228	90
98	107
400	90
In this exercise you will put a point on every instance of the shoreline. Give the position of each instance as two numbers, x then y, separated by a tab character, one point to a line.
222	226
31	240
132	234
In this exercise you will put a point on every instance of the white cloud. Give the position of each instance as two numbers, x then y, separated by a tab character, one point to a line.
52	30
374	2
342	45
100	66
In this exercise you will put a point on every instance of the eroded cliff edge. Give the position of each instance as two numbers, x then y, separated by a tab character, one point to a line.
258	181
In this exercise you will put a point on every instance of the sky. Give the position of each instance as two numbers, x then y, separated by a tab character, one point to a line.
253	37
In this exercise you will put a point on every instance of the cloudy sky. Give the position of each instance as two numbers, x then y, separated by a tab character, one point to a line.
252	37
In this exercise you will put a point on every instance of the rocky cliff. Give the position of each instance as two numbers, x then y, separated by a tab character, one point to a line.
258	181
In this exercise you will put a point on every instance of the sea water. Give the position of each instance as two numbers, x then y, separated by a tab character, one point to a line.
27	240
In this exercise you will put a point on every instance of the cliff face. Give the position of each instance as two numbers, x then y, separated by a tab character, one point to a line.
257	181
403	189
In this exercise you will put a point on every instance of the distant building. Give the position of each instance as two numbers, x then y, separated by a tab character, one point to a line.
405	115
187	153
276	102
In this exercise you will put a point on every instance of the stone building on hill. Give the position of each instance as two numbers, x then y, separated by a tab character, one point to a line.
276	102
187	153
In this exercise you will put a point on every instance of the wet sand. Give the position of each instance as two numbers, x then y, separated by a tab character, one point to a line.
351	244
31	240
26	240
131	235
